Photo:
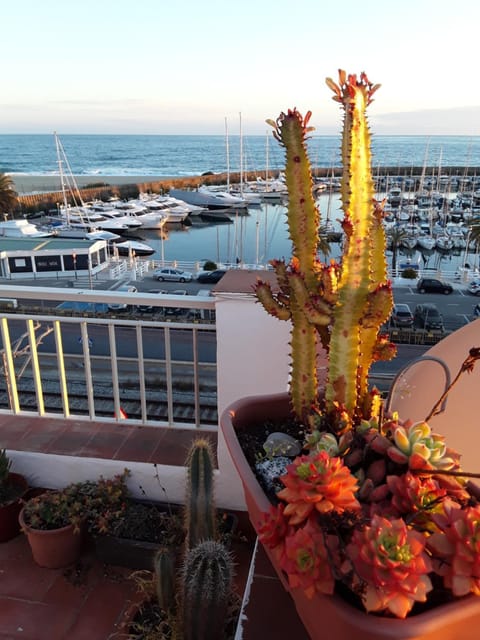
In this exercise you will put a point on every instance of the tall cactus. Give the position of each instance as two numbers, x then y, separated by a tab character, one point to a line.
207	579
200	508
340	306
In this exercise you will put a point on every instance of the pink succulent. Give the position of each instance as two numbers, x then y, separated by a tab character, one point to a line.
317	482
457	548
391	560
306	562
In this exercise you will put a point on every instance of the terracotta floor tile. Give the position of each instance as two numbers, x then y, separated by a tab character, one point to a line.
139	445
20	577
105	605
69	442
173	445
34	620
106	442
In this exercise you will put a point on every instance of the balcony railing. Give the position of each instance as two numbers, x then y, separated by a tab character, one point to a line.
66	355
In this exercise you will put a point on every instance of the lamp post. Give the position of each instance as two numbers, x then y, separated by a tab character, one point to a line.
74	258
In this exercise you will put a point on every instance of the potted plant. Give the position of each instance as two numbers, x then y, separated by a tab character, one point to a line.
190	593
134	530
56	521
369	521
13	486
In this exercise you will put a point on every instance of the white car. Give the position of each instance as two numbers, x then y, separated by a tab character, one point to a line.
117	306
173	275
474	287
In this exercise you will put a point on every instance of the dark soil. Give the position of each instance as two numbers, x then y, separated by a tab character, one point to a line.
150	523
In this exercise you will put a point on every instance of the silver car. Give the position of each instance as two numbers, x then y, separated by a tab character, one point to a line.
173	275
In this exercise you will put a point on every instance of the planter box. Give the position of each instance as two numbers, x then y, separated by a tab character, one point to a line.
331	617
139	554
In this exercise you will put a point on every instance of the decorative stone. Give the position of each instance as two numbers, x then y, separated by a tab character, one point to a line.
281	444
269	470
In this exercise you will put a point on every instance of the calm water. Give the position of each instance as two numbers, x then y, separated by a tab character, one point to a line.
262	234
193	155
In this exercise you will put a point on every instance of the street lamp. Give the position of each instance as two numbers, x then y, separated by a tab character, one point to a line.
74	258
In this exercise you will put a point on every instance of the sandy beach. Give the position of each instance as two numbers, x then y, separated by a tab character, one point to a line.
27	184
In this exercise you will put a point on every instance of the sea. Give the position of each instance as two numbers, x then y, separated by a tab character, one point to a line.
258	236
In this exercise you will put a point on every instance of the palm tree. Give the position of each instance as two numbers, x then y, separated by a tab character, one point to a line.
395	236
8	195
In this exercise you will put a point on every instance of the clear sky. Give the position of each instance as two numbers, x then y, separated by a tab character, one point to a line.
183	66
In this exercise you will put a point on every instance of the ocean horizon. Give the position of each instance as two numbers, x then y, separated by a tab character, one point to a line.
186	155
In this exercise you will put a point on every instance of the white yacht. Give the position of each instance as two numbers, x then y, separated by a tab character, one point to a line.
22	228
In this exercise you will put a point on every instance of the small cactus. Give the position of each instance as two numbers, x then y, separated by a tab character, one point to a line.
206	588
200	510
164	568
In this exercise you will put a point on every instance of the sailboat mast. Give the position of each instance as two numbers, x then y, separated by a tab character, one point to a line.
60	171
241	155
227	151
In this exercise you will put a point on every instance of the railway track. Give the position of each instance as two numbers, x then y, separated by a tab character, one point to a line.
156	402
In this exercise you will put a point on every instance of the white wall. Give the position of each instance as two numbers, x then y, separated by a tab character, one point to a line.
252	359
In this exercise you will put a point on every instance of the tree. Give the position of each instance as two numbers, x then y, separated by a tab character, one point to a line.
395	236
8	195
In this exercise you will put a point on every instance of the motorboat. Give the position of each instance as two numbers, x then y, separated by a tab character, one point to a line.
21	228
137	211
205	198
132	248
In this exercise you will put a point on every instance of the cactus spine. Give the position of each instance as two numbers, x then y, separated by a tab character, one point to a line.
200	509
340	305
207	584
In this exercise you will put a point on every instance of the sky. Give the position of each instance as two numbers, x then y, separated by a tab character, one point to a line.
190	66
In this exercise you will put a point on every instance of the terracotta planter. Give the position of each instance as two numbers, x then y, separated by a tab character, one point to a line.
9	525
454	621
55	548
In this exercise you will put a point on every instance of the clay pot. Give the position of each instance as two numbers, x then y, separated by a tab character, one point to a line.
331	617
54	548
9	525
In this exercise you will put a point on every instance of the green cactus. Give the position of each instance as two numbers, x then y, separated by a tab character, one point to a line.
164	575
337	306
5	464
200	509
207	579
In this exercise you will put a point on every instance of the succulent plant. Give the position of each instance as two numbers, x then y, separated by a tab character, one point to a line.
339	306
375	503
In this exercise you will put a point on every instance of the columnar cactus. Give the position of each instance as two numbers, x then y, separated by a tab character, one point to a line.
200	509
341	305
207	586
164	574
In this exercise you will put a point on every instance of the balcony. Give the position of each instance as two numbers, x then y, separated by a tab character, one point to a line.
116	406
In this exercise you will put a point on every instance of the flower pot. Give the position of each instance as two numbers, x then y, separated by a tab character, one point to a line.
456	619
54	548
9	525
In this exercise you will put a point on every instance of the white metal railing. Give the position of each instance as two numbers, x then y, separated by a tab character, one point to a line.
80	363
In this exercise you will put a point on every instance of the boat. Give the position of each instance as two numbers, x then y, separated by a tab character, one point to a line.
22	228
204	198
132	248
137	211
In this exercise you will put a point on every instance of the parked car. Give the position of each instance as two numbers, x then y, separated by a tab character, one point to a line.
177	311
172	275
401	316
433	285
474	287
427	316
476	310
116	306
211	277
148	308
